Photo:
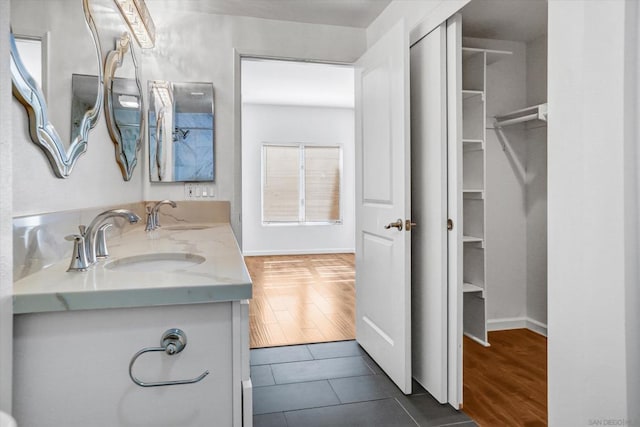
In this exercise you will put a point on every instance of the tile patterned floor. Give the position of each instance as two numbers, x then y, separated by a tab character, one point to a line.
337	384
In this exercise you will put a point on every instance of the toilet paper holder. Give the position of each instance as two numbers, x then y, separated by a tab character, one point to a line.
173	341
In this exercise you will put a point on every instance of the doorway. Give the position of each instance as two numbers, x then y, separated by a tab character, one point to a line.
503	189
298	195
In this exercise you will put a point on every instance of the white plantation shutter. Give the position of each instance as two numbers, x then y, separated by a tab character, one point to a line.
322	183
301	184
281	183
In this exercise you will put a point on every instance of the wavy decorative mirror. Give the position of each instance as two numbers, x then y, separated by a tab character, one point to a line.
124	104
62	156
181	132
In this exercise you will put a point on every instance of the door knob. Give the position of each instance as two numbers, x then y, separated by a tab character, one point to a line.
408	225
397	224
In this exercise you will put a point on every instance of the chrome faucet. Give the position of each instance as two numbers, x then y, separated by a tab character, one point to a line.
152	214
96	231
79	255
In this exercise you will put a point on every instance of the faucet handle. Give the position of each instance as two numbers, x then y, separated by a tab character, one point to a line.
151	223
83	230
79	255
101	241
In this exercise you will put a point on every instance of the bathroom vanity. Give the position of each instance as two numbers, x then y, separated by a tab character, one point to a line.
77	332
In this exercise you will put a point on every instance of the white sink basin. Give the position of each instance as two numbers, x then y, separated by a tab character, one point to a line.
163	261
185	227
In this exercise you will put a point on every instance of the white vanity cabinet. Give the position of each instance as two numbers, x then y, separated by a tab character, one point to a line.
75	334
72	368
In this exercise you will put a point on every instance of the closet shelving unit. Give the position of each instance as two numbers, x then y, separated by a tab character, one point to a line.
474	123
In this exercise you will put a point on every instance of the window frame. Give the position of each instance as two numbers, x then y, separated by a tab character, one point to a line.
301	180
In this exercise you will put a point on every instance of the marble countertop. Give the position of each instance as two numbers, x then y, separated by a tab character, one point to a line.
222	276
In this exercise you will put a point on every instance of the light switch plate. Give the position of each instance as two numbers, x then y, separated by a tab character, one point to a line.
194	190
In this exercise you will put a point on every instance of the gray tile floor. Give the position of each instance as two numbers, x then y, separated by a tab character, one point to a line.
337	384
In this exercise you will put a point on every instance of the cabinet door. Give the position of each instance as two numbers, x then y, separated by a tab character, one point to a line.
71	368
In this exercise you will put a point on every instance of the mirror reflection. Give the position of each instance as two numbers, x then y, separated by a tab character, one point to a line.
83	95
124	104
181	131
62	152
33	57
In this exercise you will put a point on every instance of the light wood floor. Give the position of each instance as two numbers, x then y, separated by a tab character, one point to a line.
506	384
301	299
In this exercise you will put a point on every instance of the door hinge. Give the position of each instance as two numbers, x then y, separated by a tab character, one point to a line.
449	224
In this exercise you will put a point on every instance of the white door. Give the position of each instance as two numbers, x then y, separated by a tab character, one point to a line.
383	253
429	211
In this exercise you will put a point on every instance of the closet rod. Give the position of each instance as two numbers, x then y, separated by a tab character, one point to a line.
500	123
537	112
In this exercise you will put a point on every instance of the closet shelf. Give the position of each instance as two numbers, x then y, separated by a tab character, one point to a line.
493	55
469	144
466	93
536	112
473	193
472	141
472	239
469	287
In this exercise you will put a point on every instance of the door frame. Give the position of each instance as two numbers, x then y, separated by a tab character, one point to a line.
238	55
454	190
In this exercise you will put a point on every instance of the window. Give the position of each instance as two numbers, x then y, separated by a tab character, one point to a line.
301	184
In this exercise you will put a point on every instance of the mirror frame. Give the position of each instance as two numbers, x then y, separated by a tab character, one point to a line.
112	63
41	130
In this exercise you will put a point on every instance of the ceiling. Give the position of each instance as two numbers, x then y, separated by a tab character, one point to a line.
349	13
297	83
517	20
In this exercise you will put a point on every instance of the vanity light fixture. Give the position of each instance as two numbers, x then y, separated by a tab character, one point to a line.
138	18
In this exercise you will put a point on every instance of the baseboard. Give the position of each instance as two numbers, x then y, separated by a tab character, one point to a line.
517	323
538	327
299	252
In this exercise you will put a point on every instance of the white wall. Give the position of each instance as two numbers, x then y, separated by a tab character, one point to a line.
6	214
536	194
200	47
189	47
295	124
592	363
96	179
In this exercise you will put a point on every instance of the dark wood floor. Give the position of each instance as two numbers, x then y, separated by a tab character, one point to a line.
301	299
506	384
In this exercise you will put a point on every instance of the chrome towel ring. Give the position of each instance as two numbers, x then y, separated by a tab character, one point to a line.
173	341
